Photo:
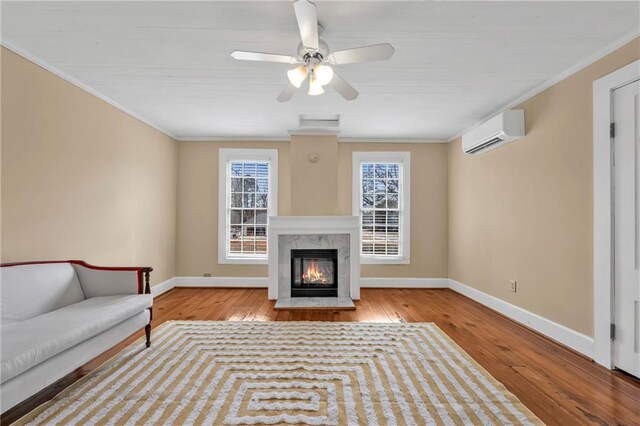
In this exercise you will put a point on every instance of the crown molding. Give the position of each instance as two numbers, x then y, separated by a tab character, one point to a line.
555	79
314	132
390	140
69	79
304	133
232	139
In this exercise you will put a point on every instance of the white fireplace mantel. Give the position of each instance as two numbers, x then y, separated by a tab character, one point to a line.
310	225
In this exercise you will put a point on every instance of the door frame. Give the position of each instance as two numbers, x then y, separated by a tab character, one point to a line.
603	209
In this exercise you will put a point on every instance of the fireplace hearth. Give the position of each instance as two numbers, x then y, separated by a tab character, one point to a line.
314	273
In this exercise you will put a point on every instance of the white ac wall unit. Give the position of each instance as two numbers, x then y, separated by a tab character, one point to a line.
508	126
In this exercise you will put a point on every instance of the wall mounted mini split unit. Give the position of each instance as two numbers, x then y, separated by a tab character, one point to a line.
508	126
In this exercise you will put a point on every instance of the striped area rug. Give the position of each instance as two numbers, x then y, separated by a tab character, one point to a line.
316	373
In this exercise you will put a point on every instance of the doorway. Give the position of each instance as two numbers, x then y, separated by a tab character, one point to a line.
626	264
612	328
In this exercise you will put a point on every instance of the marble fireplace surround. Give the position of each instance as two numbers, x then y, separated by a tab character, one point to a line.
314	232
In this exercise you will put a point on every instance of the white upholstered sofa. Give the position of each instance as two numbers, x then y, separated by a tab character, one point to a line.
56	316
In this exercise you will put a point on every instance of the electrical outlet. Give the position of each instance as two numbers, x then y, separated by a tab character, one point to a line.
207	274
513	286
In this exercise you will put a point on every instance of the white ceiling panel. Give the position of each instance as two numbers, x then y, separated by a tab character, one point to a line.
455	62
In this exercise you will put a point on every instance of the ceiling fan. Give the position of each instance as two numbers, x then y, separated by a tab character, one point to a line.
314	56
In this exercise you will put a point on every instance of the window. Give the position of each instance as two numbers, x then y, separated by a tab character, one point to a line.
247	197
381	199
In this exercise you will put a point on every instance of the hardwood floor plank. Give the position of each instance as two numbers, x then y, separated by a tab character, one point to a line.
559	385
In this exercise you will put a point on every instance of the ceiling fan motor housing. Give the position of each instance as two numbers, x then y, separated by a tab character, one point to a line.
322	52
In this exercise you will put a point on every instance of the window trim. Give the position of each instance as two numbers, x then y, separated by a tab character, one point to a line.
403	157
226	155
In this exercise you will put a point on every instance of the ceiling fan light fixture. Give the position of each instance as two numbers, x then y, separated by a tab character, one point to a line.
314	54
297	75
323	73
315	88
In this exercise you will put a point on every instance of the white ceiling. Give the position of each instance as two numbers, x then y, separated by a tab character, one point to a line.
455	62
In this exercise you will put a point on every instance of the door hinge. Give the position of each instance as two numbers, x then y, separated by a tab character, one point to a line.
613	332
612	130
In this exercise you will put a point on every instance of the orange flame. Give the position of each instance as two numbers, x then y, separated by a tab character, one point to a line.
314	274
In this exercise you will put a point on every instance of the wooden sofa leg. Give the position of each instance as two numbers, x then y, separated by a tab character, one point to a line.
147	331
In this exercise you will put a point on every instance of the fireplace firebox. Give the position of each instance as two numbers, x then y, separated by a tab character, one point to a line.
314	273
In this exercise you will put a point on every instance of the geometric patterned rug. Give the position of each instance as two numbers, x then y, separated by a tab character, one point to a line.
316	373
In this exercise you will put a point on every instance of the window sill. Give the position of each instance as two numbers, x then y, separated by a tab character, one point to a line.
372	260
243	261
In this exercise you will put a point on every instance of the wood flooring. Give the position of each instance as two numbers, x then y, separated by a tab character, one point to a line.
560	386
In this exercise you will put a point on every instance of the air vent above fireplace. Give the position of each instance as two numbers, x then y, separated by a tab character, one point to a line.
307	121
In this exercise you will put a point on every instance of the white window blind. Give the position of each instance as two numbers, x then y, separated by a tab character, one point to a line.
247	198
248	207
380	208
382	201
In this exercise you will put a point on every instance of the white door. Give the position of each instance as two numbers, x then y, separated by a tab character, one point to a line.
626	116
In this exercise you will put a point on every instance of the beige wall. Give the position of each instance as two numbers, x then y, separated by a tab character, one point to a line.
429	208
331	175
525	211
322	176
81	179
197	239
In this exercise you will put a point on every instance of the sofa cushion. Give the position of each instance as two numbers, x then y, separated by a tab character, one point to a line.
31	290
30	342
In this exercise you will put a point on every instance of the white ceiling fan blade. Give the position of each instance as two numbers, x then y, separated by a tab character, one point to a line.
266	57
287	93
307	17
377	52
342	87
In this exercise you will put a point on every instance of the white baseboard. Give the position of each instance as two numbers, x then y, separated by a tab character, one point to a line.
213	282
568	337
163	287
404	283
248	282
